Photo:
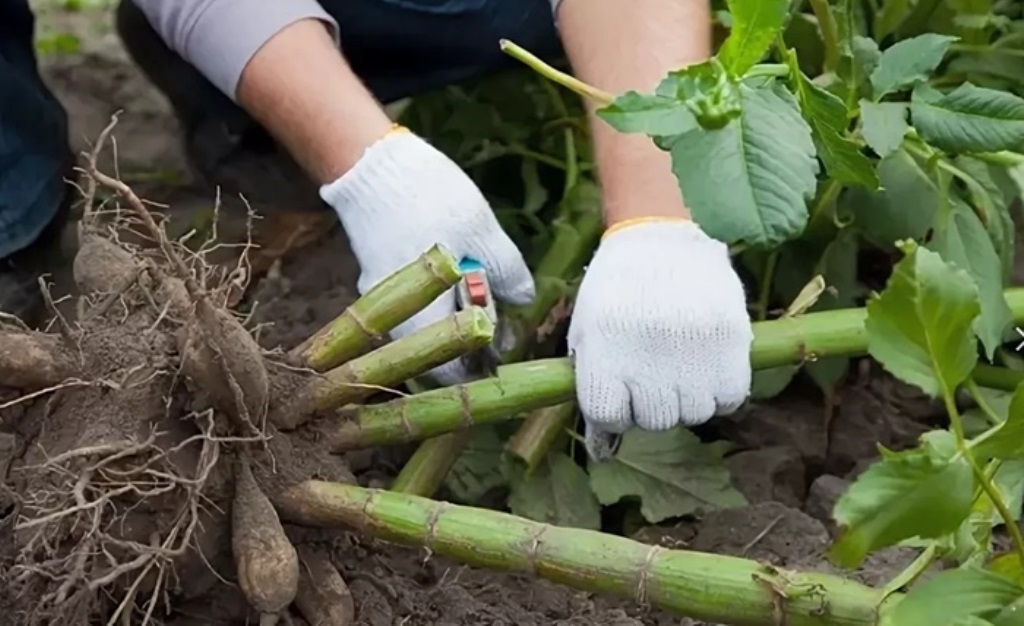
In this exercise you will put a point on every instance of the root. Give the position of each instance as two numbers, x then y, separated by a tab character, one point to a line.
73	533
323	596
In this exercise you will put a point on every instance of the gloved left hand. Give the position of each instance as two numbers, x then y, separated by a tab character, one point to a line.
405	196
660	332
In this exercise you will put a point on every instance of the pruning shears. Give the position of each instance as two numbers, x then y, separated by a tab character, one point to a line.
475	290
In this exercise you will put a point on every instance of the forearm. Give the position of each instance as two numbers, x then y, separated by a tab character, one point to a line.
279	61
617	48
302	90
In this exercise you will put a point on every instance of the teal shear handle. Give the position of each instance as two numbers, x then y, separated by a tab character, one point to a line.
474	289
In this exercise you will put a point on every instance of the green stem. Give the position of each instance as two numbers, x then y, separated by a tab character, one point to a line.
426	469
913	571
984	481
368	320
764	298
990	415
538	431
515	388
707	587
572	84
782	341
997	377
388	366
768	70
829	33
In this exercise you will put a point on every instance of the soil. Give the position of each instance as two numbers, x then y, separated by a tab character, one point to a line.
792	460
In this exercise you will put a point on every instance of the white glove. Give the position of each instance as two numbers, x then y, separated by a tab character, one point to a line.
404	196
660	332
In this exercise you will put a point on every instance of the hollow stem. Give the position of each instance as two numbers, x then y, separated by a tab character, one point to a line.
707	587
516	388
366	323
409	356
539	431
783	341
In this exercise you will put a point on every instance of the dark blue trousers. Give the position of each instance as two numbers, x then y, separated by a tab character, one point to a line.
398	47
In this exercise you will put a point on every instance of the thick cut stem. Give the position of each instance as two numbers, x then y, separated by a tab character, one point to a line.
427	468
776	342
30	360
392	301
707	587
515	388
389	365
540	429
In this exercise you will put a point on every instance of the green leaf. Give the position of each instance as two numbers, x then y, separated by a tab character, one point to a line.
903	209
969	119
919	327
955	597
962	240
476	471
556	492
671	472
925	492
654	115
908	62
755	24
885	125
828	118
750	180
770	382
1007	442
994	194
706	90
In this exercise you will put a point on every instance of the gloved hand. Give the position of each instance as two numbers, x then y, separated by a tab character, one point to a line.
660	332
404	196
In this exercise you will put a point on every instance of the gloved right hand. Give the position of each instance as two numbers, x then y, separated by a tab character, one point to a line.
404	196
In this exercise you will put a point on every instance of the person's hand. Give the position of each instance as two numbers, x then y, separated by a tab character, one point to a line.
405	196
660	333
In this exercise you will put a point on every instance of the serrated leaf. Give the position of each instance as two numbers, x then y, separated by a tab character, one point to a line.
994	193
649	114
969	119
925	492
556	492
903	209
908	62
920	327
828	118
750	180
884	125
1008	441
671	472
955	597
755	24
961	239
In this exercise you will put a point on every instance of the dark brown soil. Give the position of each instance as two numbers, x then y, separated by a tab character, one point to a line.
792	461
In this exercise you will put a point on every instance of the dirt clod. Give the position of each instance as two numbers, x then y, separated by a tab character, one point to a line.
769	474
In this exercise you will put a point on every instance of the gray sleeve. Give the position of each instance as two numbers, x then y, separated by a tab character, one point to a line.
219	37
